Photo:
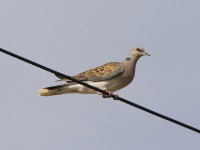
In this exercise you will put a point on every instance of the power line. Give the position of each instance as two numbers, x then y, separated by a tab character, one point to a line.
102	91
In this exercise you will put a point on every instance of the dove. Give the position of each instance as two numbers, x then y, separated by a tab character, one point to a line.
110	77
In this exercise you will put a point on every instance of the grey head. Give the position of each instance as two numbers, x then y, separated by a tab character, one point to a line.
136	53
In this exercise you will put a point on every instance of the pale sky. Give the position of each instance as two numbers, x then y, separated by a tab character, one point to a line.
72	36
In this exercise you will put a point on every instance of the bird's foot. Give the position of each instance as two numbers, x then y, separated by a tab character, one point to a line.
114	96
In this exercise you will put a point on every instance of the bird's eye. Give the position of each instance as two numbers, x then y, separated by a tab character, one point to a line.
139	50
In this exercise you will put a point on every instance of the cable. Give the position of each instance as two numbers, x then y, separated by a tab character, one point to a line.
101	91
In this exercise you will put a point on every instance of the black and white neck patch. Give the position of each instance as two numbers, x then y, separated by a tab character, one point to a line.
128	58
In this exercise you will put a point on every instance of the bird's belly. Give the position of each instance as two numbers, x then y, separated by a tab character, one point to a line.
84	90
111	85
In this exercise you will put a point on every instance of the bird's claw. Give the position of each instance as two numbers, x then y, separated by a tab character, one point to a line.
114	96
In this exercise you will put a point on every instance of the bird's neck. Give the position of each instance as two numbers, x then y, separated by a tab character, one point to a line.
131	65
135	58
132	60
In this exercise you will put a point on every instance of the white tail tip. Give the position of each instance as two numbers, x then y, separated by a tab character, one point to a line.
45	92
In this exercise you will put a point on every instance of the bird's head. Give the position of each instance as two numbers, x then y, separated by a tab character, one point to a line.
137	52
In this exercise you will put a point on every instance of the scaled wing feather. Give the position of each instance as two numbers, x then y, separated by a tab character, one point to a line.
101	73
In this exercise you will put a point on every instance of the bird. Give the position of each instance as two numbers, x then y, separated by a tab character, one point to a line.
110	77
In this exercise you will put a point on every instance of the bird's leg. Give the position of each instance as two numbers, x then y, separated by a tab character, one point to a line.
114	96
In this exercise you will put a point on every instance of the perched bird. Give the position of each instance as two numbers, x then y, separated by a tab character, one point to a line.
109	77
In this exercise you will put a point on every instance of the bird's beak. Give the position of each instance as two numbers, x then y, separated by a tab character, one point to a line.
147	54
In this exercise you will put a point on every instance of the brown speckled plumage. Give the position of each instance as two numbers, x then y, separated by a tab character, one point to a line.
101	73
110	76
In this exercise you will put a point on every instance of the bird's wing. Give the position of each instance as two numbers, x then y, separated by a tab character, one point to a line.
101	73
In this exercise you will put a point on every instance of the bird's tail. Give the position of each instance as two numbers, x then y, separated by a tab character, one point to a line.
55	90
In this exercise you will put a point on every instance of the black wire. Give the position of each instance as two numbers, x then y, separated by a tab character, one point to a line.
101	91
